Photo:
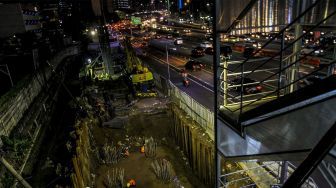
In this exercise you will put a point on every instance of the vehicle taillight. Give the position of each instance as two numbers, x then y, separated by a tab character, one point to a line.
259	87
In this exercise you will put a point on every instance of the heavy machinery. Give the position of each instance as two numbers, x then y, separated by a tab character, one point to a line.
96	70
141	78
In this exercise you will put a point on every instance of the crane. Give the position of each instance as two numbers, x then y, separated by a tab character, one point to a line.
142	79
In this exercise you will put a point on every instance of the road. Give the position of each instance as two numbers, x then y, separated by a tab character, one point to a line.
180	54
179	57
198	89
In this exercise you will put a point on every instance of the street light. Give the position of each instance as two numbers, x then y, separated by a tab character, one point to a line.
167	59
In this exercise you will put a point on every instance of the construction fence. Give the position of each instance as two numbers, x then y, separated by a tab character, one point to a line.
202	115
81	160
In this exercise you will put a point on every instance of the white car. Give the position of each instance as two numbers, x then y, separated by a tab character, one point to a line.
178	41
206	44
309	50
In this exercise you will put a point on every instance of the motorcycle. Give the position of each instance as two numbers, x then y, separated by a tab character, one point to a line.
186	82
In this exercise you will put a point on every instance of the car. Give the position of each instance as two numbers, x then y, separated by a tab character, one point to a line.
169	36
208	37
312	50
178	41
225	51
186	30
209	51
248	52
250	86
206	44
193	65
198	52
157	36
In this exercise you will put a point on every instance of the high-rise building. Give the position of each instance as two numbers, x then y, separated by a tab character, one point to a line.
122	4
64	9
18	18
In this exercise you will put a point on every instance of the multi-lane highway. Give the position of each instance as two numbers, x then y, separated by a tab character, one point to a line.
201	87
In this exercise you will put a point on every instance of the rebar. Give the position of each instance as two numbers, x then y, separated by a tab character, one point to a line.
150	148
115	178
111	154
163	170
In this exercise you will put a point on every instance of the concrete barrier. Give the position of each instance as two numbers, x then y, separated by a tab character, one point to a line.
17	101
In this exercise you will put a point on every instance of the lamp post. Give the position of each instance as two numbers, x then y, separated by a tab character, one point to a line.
167	62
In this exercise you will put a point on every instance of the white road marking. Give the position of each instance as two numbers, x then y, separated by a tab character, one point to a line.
194	80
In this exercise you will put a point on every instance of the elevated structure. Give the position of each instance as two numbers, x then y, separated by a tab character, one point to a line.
293	115
22	17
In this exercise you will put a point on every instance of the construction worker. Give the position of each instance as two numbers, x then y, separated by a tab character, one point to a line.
131	183
142	149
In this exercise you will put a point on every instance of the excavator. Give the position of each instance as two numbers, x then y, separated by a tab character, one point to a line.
141	78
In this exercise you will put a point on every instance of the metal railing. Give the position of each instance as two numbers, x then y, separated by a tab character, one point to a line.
280	80
269	169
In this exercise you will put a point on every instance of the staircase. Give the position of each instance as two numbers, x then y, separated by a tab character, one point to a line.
291	116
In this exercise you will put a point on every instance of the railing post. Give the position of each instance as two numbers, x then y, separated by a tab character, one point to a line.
280	64
241	89
225	82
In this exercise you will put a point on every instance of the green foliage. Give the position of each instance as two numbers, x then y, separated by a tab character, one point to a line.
7	180
14	144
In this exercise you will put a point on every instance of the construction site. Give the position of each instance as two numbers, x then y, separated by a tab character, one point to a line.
169	94
109	125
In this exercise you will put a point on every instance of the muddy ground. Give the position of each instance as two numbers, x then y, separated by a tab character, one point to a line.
144	122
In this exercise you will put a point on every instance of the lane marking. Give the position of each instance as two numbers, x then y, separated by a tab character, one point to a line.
190	76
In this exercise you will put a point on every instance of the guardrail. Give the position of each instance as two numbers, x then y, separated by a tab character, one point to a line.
202	115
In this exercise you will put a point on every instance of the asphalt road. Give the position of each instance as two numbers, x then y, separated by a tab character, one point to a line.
182	53
199	90
203	80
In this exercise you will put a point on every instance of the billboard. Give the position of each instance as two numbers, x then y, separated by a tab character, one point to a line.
135	20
